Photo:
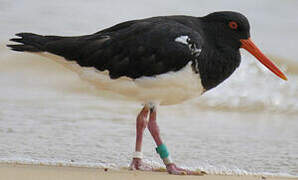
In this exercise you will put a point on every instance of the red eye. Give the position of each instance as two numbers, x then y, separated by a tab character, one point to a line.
233	25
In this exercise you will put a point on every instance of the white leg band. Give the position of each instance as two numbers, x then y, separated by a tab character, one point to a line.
167	160
137	154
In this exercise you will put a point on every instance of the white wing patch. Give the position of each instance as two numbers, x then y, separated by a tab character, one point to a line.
191	45
182	39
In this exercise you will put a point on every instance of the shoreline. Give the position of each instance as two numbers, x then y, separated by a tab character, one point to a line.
12	171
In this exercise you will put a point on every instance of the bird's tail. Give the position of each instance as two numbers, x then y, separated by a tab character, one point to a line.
29	42
71	48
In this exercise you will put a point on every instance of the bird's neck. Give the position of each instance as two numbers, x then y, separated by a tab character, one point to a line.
217	61
217	65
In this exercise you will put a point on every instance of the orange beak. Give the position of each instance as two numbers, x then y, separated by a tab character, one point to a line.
254	50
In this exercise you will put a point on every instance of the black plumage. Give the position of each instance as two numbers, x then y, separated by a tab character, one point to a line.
147	47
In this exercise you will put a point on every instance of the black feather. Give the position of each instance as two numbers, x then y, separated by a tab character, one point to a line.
28	42
22	48
133	49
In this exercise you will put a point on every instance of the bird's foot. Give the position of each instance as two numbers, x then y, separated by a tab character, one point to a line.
173	169
138	164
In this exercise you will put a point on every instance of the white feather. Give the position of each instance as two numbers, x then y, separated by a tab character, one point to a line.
182	39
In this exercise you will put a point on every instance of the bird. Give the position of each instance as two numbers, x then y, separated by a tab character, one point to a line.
162	60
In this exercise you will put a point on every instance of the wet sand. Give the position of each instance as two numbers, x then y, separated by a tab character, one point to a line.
41	172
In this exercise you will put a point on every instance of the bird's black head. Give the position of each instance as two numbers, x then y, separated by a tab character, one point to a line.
227	28
228	31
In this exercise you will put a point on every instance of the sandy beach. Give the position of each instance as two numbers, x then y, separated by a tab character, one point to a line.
39	172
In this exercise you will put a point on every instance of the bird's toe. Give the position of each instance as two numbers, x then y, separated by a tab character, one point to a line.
173	169
138	164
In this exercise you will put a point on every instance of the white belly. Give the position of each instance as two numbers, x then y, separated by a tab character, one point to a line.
164	89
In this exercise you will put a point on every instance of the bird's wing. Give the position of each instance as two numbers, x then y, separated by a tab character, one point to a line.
132	49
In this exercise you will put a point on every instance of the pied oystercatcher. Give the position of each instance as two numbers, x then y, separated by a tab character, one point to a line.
157	61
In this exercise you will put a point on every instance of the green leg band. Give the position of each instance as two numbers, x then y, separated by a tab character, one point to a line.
162	151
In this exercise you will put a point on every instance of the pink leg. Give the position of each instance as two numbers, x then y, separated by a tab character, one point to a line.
141	124
154	130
